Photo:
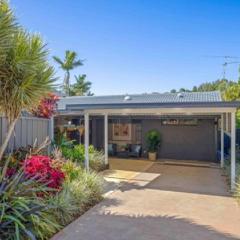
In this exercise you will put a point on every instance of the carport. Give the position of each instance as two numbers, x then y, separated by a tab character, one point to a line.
161	106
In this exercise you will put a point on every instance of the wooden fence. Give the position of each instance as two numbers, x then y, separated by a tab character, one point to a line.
27	130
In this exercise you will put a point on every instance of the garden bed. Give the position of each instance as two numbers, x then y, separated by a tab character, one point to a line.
42	194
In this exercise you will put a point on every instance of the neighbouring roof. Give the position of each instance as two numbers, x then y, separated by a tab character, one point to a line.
144	100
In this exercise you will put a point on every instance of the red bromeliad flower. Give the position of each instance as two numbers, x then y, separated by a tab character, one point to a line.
47	106
40	167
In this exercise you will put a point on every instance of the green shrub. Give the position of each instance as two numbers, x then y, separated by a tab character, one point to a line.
65	206
77	154
153	139
71	170
24	215
96	160
81	190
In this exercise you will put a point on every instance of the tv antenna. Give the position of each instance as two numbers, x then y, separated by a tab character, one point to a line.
227	61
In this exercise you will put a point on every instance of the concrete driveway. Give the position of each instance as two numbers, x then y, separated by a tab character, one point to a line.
163	202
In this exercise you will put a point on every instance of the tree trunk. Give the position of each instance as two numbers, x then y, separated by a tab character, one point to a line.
7	137
66	83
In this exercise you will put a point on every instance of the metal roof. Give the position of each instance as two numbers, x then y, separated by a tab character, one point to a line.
147	100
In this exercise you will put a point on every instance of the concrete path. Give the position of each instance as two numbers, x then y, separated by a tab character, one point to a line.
163	202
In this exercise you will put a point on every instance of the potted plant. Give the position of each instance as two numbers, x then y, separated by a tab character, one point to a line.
153	139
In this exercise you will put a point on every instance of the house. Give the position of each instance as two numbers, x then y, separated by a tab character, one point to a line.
192	124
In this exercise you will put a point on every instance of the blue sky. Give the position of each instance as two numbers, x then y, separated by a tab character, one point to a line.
137	46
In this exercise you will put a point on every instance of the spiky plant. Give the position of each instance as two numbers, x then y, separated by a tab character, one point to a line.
69	63
25	75
24	215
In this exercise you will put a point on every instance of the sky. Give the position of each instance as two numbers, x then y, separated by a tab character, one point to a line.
139	46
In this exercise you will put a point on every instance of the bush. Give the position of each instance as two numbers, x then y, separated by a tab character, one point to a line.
77	154
153	139
40	168
24	215
80	191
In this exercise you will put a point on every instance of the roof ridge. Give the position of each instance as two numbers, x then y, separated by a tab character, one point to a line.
142	94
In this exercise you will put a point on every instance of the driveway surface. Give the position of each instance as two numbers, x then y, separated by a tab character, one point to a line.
163	202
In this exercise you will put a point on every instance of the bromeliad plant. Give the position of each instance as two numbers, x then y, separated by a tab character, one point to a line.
47	106
23	214
40	167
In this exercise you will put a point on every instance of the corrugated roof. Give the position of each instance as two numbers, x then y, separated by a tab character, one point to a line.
154	98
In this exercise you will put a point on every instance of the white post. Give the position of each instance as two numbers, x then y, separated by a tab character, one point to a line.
233	150
106	138
86	140
50	133
222	142
227	124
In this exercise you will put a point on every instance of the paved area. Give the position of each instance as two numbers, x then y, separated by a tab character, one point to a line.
162	202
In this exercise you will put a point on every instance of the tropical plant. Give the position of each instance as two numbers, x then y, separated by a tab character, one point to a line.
77	154
61	141
8	27
25	75
69	63
40	167
23	214
81	87
47	106
153	140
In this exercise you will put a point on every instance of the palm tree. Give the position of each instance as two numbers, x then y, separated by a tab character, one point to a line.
70	62
25	76
81	87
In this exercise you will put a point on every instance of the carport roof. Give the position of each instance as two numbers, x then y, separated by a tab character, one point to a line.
154	100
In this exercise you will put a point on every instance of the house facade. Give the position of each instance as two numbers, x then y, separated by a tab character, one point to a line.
192	125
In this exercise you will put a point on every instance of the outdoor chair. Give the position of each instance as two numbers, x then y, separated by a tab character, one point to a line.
112	149
135	150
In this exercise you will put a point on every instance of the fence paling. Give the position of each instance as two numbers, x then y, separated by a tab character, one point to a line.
26	131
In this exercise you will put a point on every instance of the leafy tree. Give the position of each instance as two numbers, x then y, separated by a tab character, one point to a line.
232	93
25	76
173	91
81	87
69	63
220	84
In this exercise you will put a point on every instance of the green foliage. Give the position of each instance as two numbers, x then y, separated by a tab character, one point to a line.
80	191
232	93
153	139
61	141
81	87
25	75
219	85
69	63
24	215
96	160
71	170
77	154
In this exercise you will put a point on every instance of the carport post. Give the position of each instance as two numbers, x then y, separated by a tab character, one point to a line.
222	141
233	150
106	138
86	140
